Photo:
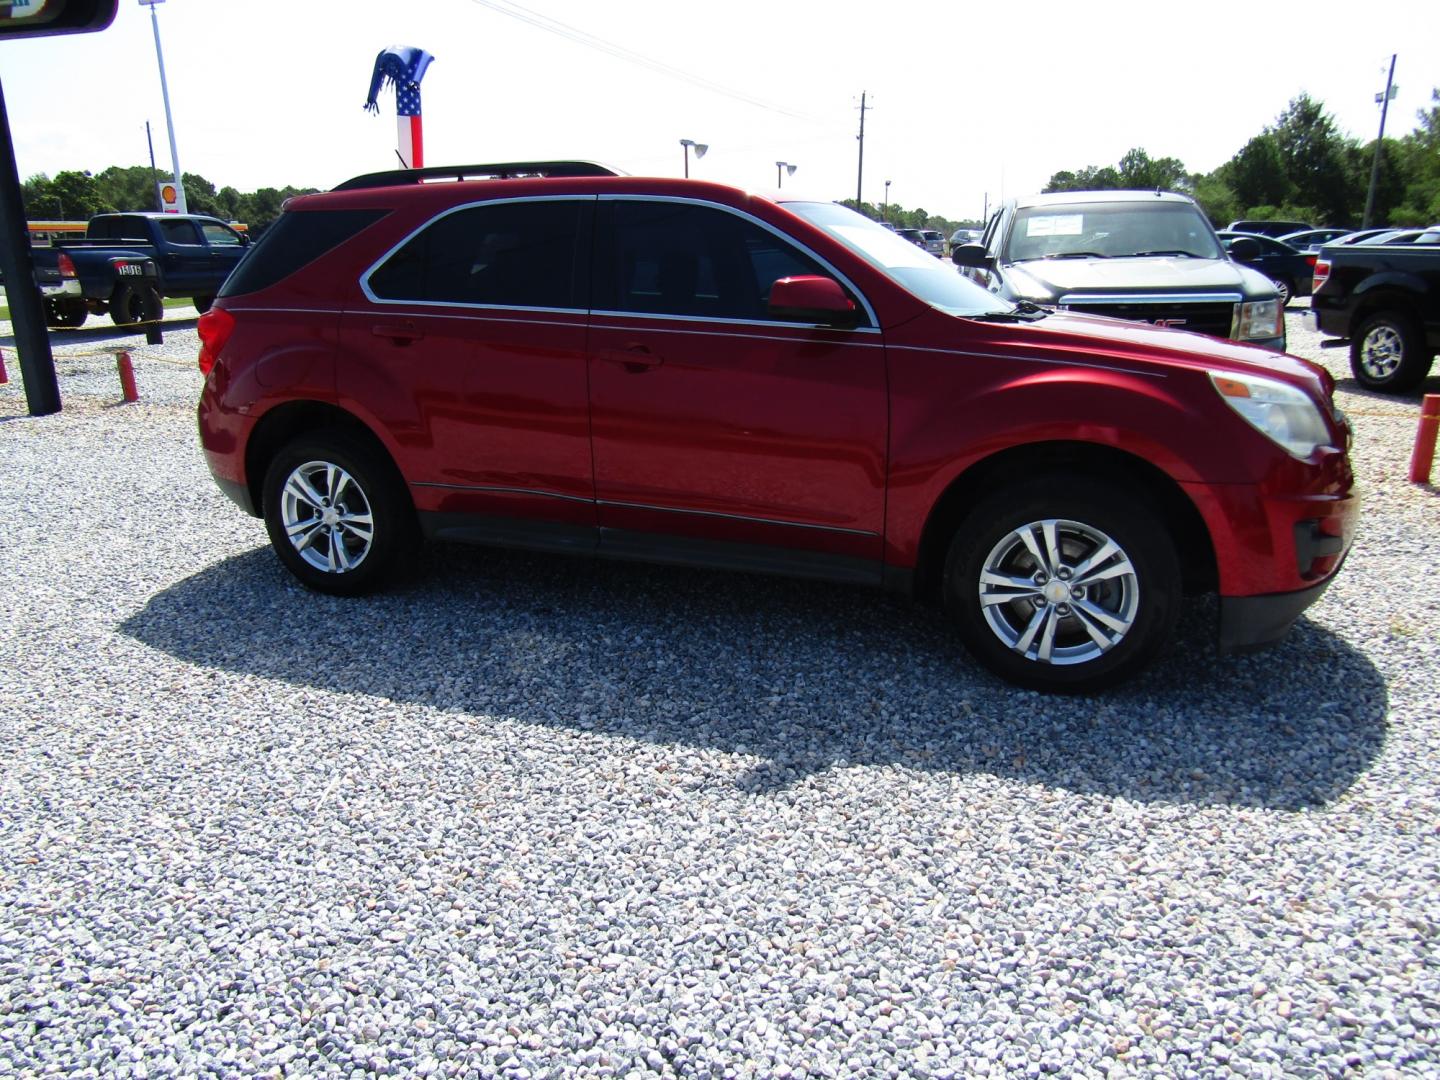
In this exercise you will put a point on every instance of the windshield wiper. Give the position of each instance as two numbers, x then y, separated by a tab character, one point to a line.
1143	254
1075	255
1024	311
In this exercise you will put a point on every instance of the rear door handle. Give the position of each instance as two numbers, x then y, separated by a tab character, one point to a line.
399	333
635	358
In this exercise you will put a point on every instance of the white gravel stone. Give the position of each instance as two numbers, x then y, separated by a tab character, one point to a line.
532	816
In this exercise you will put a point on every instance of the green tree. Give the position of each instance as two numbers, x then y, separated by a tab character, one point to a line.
1316	160
1257	174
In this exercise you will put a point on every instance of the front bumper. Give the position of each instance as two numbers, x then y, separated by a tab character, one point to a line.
1253	622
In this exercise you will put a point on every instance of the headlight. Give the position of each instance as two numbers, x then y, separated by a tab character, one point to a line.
1282	413
1259	321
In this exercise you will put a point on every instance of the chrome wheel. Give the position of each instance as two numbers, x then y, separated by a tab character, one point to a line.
1059	592
1284	290
326	517
1382	351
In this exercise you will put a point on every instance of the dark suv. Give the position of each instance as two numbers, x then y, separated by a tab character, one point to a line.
553	356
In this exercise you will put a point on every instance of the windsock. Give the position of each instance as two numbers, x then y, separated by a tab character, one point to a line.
402	67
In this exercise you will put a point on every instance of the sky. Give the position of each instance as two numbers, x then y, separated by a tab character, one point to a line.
971	102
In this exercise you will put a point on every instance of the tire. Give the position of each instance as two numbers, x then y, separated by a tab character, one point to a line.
1034	631
202	303
338	514
66	313
1388	353
135	303
1286	291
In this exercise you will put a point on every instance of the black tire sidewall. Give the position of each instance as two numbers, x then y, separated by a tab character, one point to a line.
1414	361
1125	520
149	307
391	512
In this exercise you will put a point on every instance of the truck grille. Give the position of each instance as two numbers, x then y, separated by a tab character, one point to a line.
1213	314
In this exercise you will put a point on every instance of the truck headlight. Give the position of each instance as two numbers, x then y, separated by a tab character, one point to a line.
1284	414
1260	321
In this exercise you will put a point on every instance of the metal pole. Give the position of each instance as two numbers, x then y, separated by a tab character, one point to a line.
32	340
860	173
154	172
1375	165
169	121
686	148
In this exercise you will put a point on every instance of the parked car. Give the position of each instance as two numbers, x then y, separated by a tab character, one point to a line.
1406	236
963	236
1308	240
915	236
1385	298
1268	228
679	371
934	242
1360	236
1143	255
128	262
1289	270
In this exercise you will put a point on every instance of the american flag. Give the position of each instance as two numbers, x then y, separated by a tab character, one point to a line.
402	67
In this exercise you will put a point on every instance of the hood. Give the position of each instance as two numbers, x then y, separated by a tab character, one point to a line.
1054	278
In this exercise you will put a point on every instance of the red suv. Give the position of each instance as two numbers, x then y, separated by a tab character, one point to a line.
549	355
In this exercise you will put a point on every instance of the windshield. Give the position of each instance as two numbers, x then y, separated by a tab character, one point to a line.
1110	230
913	268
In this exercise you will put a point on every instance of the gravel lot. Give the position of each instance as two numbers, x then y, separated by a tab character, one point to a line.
529	816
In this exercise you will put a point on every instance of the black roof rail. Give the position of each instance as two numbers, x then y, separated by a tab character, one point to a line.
508	170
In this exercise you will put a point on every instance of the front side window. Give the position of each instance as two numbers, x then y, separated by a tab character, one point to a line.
519	254
671	258
1110	230
217	235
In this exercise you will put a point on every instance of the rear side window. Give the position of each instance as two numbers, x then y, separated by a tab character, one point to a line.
296	239
518	254
179	231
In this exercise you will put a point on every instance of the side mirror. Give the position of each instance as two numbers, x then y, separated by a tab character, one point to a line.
973	255
812	299
1243	249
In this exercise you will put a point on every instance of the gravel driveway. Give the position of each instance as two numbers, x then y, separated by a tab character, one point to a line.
532	816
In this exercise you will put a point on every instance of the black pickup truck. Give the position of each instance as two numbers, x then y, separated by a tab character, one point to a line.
127	262
1386	299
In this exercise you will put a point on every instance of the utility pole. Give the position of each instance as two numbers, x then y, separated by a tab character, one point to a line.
1384	100
165	93
154	173
860	175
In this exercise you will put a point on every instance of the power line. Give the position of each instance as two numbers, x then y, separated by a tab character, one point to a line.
581	37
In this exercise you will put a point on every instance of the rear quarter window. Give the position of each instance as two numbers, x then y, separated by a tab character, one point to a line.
297	238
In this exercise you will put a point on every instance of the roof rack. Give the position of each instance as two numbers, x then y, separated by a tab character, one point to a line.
509	170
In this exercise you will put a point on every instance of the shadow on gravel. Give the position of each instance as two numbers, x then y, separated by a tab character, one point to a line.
806	676
100	331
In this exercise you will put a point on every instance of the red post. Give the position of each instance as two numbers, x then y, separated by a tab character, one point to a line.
4	378
1424	455
127	377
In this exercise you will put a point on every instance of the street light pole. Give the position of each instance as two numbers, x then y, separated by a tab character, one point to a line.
165	93
786	166
1384	101
700	149
885	210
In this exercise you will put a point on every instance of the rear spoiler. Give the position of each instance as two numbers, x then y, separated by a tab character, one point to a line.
510	170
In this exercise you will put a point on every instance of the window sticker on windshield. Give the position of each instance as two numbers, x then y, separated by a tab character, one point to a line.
1056	225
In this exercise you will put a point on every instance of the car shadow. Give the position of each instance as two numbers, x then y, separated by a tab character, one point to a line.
104	333
805	677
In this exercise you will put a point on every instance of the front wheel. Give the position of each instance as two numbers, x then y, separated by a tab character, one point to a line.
1389	353
338	516
1063	584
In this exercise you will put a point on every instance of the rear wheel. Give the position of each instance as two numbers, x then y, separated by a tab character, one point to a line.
133	304
1063	584
67	313
1285	290
338	516
1389	353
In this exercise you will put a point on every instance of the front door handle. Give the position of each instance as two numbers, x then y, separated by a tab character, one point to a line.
635	358
399	333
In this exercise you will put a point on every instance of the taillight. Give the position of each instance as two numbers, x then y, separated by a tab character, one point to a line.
1322	272
214	329
66	265
1311	260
